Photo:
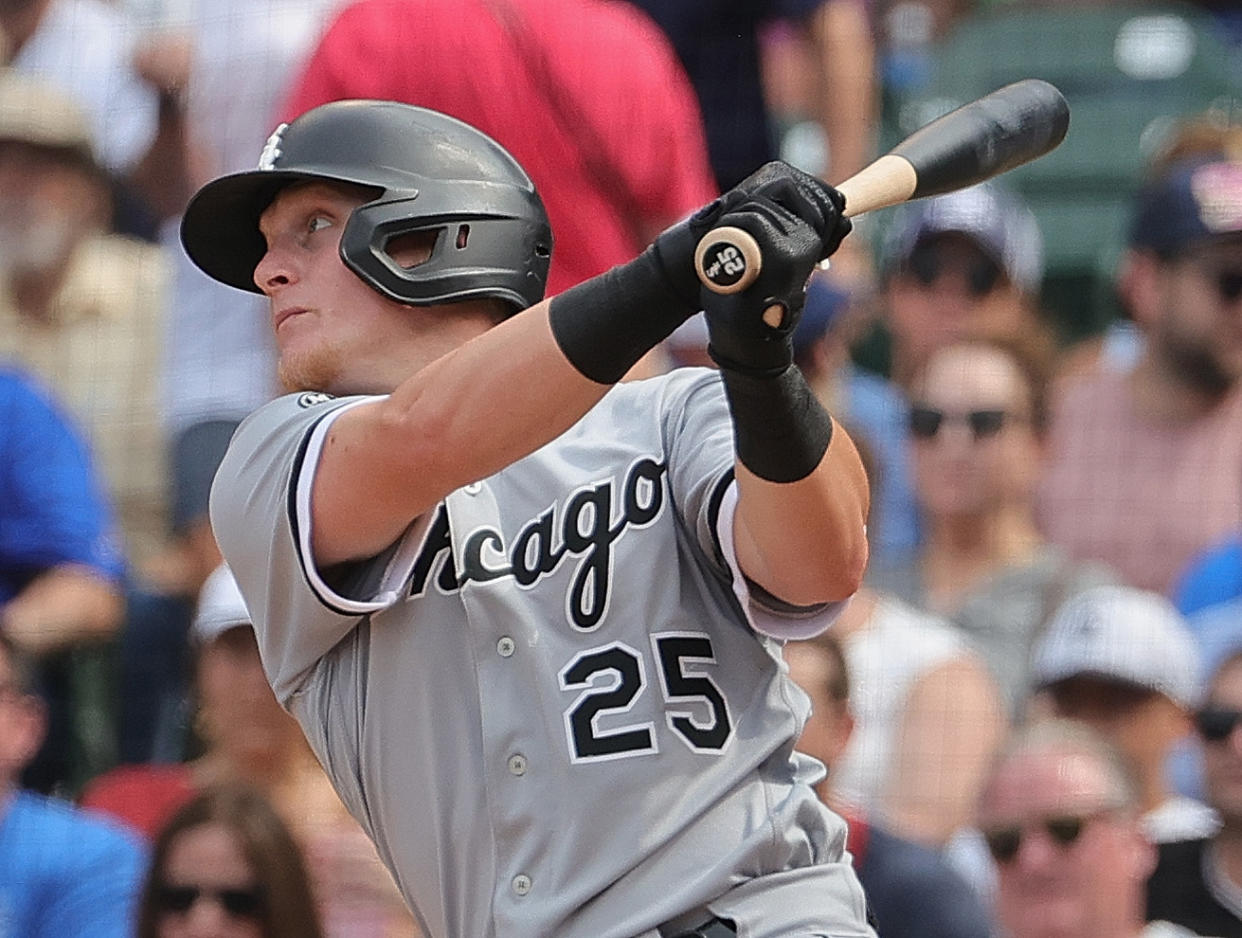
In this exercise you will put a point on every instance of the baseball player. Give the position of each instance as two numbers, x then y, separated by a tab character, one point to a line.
528	617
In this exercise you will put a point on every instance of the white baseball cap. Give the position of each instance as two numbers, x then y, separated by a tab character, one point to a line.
220	607
1123	634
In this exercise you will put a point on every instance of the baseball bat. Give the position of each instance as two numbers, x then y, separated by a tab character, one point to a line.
1011	126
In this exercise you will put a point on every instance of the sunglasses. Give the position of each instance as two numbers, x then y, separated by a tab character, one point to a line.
929	264
238	903
926	422
1063	830
1216	724
1228	283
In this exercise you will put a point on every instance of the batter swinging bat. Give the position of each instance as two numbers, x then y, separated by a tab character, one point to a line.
1011	126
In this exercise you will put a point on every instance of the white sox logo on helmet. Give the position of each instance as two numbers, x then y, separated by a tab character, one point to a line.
271	150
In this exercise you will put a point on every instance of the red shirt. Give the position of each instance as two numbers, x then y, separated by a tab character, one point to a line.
143	797
587	95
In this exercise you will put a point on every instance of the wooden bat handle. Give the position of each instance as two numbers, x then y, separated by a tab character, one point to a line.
728	260
890	180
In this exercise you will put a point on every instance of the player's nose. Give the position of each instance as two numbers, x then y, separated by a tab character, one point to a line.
274	271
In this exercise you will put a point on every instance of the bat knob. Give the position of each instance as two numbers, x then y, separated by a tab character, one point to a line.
727	260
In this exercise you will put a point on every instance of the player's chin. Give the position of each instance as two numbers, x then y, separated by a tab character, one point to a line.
314	369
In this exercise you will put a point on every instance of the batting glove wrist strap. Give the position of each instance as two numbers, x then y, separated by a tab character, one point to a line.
606	324
780	429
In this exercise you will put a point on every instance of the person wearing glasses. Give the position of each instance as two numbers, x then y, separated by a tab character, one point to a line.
1198	883
976	434
1145	463
1060	815
964	265
225	866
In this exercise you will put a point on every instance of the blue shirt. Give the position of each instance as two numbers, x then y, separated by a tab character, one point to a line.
1215	576
65	873
52	507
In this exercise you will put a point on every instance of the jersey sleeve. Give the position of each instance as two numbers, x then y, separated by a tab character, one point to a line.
260	512
699	440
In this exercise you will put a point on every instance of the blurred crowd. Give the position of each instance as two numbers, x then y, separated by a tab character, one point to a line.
1030	713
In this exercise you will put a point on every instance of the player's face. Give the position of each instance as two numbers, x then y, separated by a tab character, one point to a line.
333	332
1222	758
1079	867
973	446
1199	329
209	889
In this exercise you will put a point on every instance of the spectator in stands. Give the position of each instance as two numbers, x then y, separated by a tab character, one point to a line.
228	65
1122	660
910	889
588	95
1060	815
825	71
246	736
1145	467
929	718
60	573
1197	882
966	265
225	866
976	430
83	49
62	872
79	305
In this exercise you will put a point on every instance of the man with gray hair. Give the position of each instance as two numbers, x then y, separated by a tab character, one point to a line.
1061	818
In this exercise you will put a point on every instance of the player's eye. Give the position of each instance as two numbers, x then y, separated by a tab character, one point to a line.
317	223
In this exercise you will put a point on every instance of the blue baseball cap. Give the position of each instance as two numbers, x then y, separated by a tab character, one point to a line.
1193	202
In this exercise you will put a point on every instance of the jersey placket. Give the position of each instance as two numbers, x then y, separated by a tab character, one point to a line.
516	760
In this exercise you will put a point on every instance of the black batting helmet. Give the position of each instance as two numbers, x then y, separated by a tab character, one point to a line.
429	171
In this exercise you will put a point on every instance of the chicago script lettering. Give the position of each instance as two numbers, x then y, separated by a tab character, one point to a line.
586	530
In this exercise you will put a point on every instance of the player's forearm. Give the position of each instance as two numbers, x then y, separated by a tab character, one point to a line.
805	541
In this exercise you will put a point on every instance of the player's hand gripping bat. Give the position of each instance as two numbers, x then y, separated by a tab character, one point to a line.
1011	126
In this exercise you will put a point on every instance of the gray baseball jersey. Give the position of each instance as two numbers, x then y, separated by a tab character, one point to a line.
548	703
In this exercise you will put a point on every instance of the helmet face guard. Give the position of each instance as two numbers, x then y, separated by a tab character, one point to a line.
428	172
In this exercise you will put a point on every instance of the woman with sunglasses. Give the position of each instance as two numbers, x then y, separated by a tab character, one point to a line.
225	866
976	442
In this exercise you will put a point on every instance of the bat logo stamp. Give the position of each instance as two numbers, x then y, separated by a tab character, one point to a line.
723	263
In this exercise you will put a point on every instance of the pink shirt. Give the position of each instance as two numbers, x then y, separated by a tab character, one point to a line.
562	79
1144	498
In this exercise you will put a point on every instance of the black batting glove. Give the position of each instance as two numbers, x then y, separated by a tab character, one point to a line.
741	334
804	195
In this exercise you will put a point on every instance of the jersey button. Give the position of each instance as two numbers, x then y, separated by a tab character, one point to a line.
521	884
473	488
517	764
505	646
